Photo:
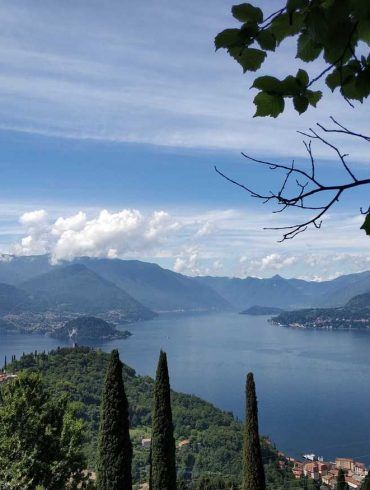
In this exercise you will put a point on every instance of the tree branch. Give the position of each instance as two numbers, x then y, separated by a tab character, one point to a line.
311	186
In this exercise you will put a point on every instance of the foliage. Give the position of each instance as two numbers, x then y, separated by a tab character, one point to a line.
366	483
341	480
215	436
253	474
115	449
333	29
40	437
89	329
163	458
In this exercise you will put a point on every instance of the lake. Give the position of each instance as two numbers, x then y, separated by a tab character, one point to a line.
313	387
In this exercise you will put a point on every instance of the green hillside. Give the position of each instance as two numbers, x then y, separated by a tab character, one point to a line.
215	436
87	329
75	288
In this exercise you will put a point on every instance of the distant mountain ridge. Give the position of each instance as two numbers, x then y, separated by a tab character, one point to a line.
159	289
289	294
75	288
90	285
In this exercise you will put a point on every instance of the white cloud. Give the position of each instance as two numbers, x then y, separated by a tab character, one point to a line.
271	262
206	229
188	261
108	234
239	247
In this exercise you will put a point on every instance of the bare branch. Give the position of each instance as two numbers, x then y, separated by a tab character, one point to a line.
308	188
343	130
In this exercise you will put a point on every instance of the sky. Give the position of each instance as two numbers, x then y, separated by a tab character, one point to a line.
112	117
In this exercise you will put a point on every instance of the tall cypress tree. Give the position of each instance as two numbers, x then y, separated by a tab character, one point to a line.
253	474
115	450
163	460
341	480
366	483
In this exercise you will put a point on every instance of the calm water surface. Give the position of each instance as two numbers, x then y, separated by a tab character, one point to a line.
313	387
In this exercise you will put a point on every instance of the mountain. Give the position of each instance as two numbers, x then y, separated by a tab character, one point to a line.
16	269
163	290
289	294
89	329
77	289
261	310
354	315
12	299
244	293
340	290
159	289
361	301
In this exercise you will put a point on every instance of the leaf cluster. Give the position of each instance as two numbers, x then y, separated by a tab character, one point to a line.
331	29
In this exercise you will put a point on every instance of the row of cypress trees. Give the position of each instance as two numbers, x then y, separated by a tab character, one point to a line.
115	449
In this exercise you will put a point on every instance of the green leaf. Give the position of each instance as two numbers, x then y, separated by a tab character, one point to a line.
249	30
363	82
313	96
338	77
267	84
250	59
317	25
227	38
307	49
351	91
246	12
293	5
364	30
366	225
300	103
302	77
326	4
266	40
268	104
333	80
361	8
286	25
290	86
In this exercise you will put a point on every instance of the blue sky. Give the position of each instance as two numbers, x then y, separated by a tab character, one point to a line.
125	107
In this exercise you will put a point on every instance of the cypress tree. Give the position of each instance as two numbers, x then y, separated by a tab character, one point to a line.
115	450
366	483
253	474
163	460
341	480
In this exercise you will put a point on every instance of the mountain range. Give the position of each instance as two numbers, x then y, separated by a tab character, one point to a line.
141	289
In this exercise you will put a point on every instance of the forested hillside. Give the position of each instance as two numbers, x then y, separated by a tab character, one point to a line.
215	437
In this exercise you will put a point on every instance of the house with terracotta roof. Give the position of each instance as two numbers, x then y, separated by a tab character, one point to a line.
352	483
311	470
183	443
298	469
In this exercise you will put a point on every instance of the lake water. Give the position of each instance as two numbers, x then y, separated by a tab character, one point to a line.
313	387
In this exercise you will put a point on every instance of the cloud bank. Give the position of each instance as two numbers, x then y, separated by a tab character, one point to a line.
108	234
218	242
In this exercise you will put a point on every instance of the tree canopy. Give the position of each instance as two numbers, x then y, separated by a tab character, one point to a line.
40	437
337	31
